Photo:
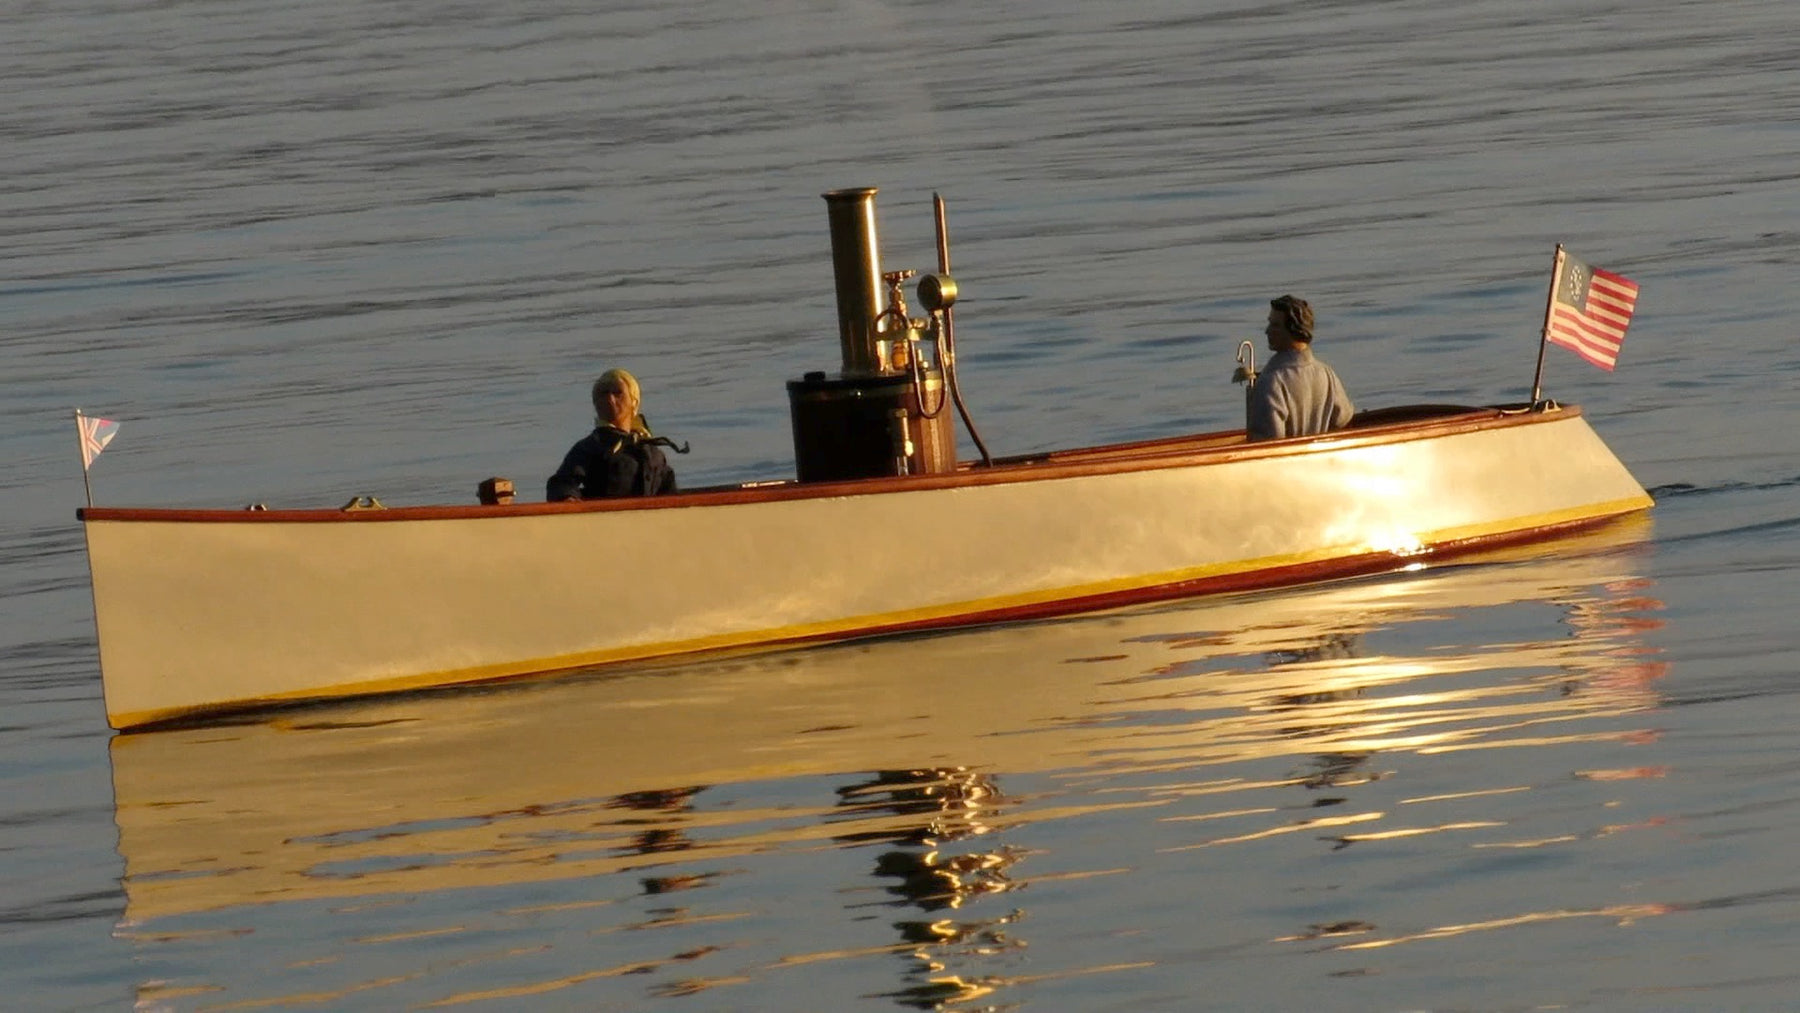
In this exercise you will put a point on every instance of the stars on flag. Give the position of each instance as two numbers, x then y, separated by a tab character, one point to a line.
1589	310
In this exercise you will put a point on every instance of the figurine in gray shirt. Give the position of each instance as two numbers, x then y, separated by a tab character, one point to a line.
1297	394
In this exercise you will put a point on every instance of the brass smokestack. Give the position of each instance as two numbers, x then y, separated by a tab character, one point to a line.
856	263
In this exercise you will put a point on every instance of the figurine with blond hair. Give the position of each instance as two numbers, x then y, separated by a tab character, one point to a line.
620	457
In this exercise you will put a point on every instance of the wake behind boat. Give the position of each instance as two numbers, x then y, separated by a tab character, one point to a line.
201	612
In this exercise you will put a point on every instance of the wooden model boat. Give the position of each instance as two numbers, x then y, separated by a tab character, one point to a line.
206	611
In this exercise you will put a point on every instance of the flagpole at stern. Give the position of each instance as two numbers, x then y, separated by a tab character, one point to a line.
1537	378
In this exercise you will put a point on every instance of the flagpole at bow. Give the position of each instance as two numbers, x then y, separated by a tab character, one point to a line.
1537	379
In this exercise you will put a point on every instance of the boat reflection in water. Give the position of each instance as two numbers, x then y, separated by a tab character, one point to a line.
937	808
865	801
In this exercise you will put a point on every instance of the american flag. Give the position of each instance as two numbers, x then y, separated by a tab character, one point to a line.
95	435
1589	310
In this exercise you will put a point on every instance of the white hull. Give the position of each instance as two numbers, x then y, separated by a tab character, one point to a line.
203	611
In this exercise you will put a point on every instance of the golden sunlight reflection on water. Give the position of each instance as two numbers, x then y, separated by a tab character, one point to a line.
620	805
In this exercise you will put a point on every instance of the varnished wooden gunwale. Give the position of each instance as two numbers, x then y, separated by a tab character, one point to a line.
1144	455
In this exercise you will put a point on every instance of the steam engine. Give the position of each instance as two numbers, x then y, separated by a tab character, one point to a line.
883	413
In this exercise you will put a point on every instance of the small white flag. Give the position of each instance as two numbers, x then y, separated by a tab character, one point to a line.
95	435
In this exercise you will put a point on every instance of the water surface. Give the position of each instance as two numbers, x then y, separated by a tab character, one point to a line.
310	252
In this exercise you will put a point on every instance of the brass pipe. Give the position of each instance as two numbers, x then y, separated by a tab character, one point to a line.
856	267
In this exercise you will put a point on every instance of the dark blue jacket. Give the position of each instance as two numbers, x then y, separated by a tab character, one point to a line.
611	462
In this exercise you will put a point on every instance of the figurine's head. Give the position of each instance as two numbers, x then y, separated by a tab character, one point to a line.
1290	323
616	399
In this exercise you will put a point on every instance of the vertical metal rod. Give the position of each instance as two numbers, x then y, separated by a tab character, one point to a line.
949	351
1537	379
943	233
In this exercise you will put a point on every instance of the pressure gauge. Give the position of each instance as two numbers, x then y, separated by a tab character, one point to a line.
937	292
